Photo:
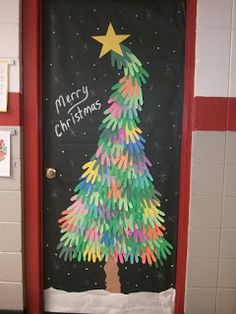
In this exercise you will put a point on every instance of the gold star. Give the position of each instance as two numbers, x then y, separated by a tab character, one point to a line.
110	41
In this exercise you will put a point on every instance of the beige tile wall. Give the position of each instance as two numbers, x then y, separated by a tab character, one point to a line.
232	80
11	286
213	47
211	274
211	266
9	35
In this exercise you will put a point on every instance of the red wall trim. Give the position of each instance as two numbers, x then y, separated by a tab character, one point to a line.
215	114
31	52
186	155
231	118
12	116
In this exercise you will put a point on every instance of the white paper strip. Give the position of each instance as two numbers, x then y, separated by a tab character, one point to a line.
3	85
104	302
5	153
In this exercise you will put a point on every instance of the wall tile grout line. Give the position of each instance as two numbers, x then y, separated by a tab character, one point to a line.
225	155
7	191
11	282
12	252
12	222
228	288
231	48
16	24
207	195
220	229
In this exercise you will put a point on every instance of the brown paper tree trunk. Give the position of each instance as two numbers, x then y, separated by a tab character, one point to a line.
112	278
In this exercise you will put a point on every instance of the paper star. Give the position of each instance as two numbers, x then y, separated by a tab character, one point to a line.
110	41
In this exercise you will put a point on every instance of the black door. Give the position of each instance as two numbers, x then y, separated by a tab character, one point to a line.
112	114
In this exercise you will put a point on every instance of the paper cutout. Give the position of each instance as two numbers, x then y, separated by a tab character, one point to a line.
101	301
116	210
3	85
112	277
110	41
5	151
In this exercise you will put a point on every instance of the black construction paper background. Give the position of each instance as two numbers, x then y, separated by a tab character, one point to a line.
71	60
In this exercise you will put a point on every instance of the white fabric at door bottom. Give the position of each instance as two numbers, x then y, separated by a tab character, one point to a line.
104	302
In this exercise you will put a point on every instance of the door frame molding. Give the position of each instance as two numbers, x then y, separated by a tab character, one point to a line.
32	154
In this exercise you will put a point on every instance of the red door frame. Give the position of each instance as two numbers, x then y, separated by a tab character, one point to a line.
32	124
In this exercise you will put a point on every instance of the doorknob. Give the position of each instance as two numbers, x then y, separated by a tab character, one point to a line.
51	173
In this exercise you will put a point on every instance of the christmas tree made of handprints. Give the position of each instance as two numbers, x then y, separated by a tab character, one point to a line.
116	213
